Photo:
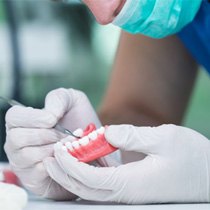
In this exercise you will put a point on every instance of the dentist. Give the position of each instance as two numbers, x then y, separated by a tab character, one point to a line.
153	76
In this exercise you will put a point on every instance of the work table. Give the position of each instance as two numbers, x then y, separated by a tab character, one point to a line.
36	203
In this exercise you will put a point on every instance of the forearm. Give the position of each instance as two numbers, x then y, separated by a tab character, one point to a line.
126	115
150	84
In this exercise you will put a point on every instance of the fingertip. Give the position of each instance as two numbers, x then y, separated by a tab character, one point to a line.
57	146
56	103
61	153
113	133
120	135
11	113
59	150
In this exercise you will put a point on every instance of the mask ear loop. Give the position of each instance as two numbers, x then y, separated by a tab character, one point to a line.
126	13
119	8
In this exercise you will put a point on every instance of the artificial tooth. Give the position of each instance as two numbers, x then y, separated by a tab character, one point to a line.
101	130
78	132
75	144
69	146
92	135
84	141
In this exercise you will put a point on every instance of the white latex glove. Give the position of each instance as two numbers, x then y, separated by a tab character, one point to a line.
12	197
176	168
30	138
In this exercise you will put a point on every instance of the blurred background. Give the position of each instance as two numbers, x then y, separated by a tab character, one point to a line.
46	45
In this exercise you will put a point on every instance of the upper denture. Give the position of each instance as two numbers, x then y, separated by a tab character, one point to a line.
92	145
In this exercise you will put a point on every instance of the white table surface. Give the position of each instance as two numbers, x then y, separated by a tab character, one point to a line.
38	204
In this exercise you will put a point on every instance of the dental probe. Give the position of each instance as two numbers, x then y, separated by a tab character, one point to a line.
58	127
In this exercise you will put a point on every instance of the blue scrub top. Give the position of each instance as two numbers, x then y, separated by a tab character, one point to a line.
196	36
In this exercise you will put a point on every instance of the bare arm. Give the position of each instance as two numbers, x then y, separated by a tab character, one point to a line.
151	82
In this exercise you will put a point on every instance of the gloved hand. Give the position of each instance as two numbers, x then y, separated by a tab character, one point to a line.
30	137
73	110
176	168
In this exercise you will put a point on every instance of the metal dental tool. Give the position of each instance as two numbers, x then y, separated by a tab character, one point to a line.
58	127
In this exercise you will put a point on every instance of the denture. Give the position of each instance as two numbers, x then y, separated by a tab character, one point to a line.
90	146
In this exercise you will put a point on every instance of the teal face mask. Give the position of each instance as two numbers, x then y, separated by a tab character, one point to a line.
156	18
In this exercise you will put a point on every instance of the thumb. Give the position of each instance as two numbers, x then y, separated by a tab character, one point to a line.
132	138
57	102
74	104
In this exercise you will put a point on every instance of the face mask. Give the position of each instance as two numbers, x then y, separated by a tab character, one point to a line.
156	18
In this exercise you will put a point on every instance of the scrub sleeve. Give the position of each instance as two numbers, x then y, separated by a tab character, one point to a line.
196	36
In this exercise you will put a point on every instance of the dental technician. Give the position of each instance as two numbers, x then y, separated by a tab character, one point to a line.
148	93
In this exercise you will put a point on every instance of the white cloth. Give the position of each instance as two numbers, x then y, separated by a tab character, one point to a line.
12	197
